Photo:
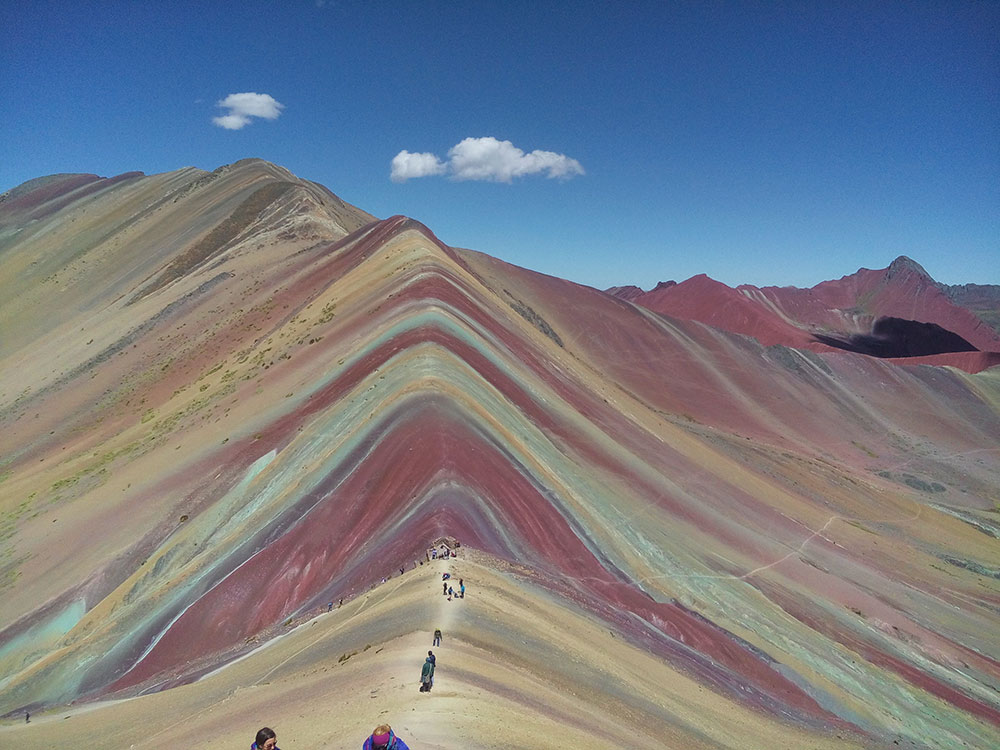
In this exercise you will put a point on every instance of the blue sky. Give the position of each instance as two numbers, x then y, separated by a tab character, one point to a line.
757	142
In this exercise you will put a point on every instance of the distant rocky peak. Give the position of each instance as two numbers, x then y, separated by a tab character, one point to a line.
628	292
904	266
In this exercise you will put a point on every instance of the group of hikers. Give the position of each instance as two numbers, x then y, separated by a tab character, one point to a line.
449	590
381	738
443	551
427	670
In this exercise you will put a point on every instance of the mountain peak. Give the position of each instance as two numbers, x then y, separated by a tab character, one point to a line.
905	265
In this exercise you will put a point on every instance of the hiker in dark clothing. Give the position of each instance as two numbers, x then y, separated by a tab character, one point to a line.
266	740
437	637
430	655
427	676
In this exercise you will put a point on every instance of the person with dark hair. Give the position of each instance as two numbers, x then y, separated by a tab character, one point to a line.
266	740
430	655
383	738
427	674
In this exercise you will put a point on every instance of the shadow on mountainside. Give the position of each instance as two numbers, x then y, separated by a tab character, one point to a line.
896	337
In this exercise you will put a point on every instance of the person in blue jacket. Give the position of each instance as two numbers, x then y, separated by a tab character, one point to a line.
383	738
266	740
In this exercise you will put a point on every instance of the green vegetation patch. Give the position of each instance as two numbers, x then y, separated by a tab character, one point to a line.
972	566
915	482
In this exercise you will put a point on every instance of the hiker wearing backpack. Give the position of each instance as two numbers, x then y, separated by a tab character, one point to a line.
383	738
427	675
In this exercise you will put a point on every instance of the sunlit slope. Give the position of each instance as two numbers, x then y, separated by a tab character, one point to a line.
278	418
78	243
518	668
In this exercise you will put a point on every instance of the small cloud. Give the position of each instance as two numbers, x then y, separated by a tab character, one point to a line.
485	159
243	107
501	161
406	166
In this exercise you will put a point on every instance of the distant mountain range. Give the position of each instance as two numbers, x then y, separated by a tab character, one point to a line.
694	517
896	312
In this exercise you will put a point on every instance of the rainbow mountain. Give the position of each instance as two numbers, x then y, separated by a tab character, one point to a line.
229	399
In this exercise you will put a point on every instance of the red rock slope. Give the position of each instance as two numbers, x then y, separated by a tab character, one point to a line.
834	314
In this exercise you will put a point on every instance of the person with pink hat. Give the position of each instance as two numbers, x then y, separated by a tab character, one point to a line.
384	739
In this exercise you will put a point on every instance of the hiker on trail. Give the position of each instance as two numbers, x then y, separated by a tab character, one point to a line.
437	637
427	676
383	738
430	655
461	589
444	588
329	606
266	740
27	718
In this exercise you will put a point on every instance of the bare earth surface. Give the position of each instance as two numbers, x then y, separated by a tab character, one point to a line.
555	679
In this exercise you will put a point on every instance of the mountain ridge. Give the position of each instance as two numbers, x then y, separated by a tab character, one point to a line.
305	409
846	313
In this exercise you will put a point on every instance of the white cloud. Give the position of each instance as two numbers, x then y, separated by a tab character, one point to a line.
485	159
406	166
243	107
501	161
